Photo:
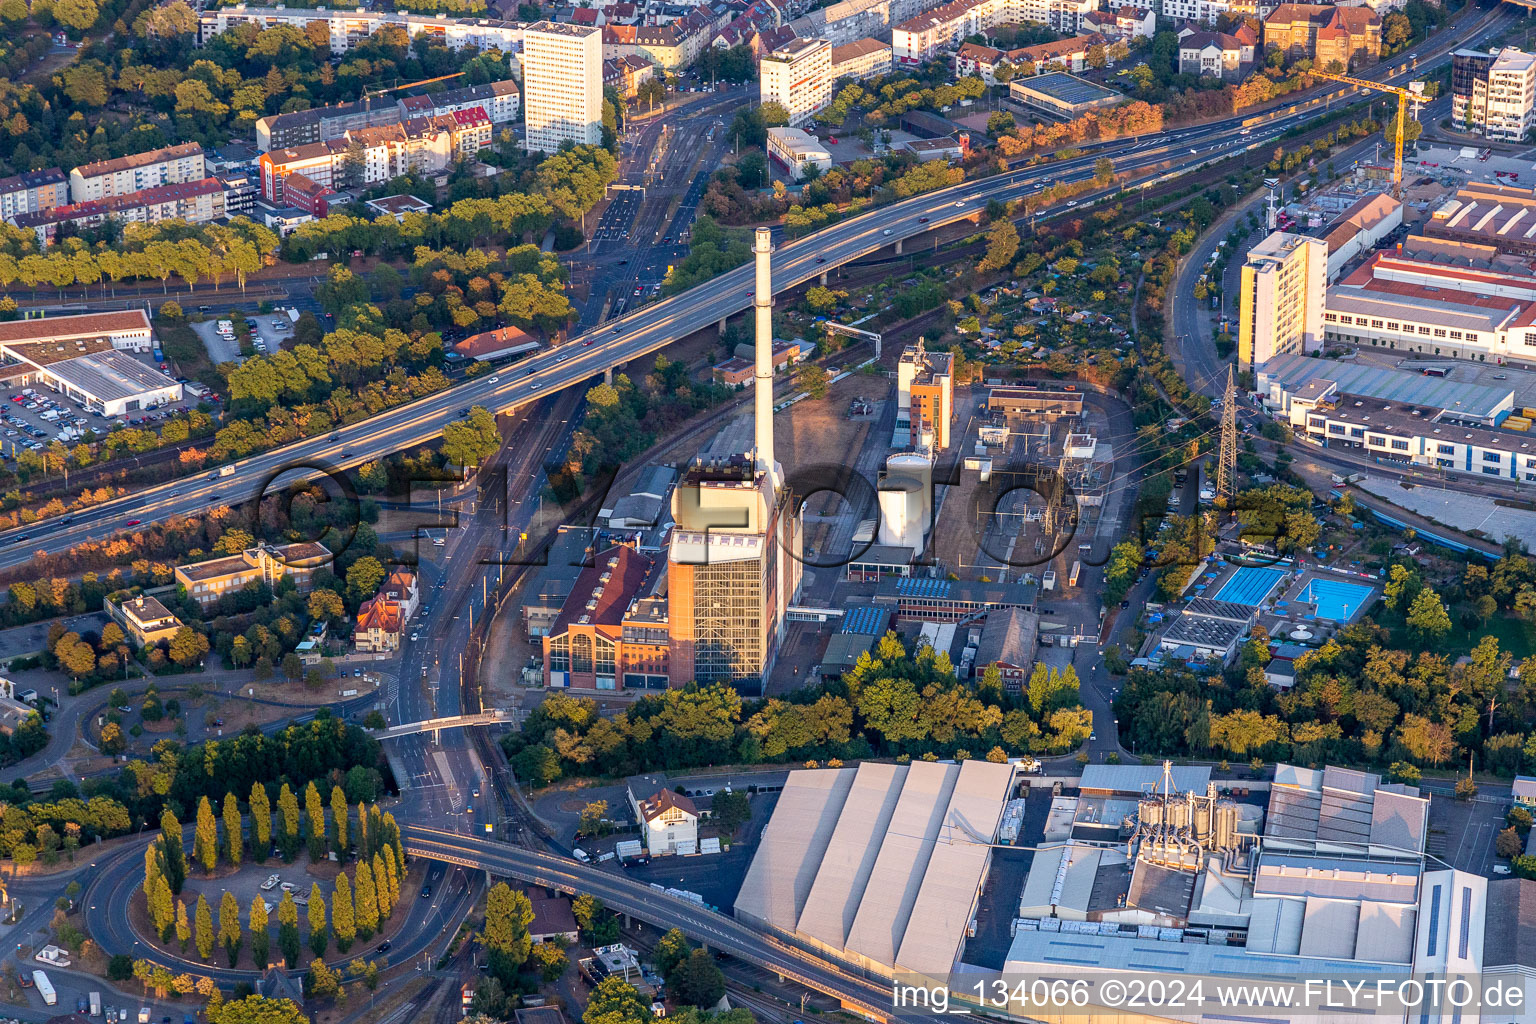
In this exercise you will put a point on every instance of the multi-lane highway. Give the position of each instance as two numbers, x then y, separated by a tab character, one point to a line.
636	335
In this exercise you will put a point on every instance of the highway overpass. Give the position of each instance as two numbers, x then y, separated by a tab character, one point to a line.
1137	160
865	996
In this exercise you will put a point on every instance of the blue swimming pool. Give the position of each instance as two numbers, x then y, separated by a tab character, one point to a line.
1335	599
1250	585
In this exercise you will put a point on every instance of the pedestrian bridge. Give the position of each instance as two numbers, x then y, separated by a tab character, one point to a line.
451	722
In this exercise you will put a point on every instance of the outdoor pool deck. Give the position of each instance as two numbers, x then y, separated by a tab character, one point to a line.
1329	596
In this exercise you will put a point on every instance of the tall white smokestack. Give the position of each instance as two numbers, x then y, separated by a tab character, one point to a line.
762	304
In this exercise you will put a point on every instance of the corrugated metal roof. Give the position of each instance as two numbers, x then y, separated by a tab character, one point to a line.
792	845
1144	778
850	857
942	911
1387	384
904	853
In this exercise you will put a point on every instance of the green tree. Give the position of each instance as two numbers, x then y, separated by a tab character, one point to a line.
812	379
1427	618
364	577
672	949
183	924
175	853
255	1010
1507	843
288	929
288	823
230	931
234	833
205	838
1002	247
319	935
259	937
697	980
339	812
616	1001
343	919
367	913
204	928
472	440
261	822
314	815
508	913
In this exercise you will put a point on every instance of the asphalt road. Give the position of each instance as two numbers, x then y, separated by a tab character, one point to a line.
626	896
631	337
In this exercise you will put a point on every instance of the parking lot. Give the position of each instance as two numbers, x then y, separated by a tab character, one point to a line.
267	331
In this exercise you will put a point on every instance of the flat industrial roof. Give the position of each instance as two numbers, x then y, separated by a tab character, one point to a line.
1065	88
1473	400
110	375
1143	778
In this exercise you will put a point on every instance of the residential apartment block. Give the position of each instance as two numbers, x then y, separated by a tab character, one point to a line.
627	74
206	582
1281	308
197	202
425	145
922	37
322	124
1126	23
1064	54
861	60
798	77
33	192
1347	35
382	618
104	179
1494	93
563	80
349	27
500	101
670	46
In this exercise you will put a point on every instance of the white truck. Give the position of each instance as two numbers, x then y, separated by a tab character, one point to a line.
95	1004
227	470
45	988
1048	580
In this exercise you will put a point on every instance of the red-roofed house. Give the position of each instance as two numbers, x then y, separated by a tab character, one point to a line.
669	821
1349	35
382	618
590	16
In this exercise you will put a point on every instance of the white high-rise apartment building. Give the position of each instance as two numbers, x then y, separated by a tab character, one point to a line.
1284	282
1495	92
562	85
798	76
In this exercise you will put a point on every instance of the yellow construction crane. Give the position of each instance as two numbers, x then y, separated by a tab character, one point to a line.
1413	94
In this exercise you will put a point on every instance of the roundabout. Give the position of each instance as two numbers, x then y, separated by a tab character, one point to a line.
414	932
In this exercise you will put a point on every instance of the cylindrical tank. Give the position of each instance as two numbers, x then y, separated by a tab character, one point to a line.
1226	824
905	500
1177	813
1150	811
1202	824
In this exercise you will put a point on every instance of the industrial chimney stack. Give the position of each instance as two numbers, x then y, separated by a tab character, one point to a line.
762	303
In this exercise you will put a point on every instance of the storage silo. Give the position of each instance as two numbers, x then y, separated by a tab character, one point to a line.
905	500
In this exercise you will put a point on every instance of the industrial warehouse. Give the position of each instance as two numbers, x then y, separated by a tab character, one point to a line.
889	868
882	864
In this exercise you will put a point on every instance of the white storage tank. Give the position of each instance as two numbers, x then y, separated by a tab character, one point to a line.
905	500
